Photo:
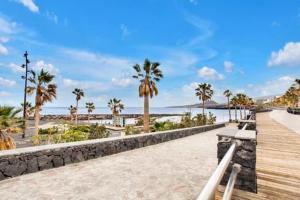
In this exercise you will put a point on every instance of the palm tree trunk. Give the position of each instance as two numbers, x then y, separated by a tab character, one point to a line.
146	114
203	112
229	110
235	113
37	120
245	112
203	107
76	122
88	117
240	113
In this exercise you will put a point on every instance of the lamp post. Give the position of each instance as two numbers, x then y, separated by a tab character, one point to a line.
25	91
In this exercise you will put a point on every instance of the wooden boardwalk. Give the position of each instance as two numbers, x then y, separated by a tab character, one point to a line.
278	162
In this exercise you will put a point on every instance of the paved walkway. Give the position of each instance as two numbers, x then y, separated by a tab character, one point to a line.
288	120
173	170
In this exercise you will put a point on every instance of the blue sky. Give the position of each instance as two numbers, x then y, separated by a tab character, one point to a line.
245	46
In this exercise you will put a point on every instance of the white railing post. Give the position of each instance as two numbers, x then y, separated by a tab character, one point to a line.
211	186
236	168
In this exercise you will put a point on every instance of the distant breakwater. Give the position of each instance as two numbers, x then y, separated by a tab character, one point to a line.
98	116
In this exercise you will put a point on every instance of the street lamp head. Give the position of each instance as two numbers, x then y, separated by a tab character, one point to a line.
28	61
25	54
23	77
23	66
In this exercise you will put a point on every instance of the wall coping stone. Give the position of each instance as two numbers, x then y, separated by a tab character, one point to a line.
246	135
238	134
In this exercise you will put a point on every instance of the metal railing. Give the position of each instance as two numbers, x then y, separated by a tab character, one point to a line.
236	168
210	188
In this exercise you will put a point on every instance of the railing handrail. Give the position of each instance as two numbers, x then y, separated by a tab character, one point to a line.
210	188
236	168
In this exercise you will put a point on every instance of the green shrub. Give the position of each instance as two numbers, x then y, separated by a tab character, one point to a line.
97	131
140	122
211	118
73	136
131	130
186	120
82	128
48	131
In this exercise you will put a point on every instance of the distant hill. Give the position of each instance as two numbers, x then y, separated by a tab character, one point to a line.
208	104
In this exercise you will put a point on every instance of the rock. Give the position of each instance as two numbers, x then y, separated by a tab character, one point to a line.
58	161
77	156
15	169
32	165
3	165
45	162
2	177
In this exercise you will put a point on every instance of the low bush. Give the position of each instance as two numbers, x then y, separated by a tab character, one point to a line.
186	121
97	132
48	131
73	134
131	130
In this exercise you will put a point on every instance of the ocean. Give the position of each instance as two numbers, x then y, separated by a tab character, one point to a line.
222	115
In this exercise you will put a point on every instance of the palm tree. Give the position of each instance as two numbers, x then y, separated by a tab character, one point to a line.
297	86
8	120
241	102
78	93
90	107
234	102
116	107
291	96
28	111
204	92
228	94
72	110
45	91
148	76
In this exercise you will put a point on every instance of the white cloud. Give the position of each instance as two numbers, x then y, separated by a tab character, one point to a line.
288	56
195	2
239	90
30	5
16	68
228	66
4	94
52	16
102	100
6	27
85	85
3	50
274	87
124	30
190	88
275	24
46	66
122	82
208	73
178	62
7	83
286	78
204	27
250	85
4	39
98	65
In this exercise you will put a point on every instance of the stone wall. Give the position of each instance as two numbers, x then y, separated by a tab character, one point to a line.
245	155
32	159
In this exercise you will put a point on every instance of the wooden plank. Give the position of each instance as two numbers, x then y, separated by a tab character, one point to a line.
277	164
